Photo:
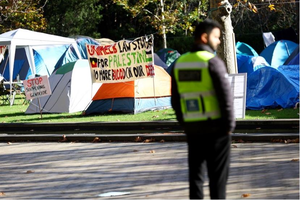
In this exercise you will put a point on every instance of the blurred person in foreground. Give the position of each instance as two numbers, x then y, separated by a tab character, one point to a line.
203	103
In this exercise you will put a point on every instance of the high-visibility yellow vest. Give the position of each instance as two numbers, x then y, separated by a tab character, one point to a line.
197	94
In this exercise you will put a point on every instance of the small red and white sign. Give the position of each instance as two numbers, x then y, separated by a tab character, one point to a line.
37	87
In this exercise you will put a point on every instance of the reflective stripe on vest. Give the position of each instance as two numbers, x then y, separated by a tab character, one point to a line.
197	95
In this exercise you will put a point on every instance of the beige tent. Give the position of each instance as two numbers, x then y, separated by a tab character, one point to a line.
105	41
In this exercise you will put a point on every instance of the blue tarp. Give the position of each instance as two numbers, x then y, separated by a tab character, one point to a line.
271	81
270	87
248	64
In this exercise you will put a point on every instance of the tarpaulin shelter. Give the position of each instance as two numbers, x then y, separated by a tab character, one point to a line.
26	39
270	87
72	90
278	52
134	96
248	64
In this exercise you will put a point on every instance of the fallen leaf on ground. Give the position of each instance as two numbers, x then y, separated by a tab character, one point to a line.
296	140
264	110
152	151
268	113
295	160
276	140
96	139
64	139
2	193
280	109
149	140
234	146
29	172
246	195
291	141
138	139
155	116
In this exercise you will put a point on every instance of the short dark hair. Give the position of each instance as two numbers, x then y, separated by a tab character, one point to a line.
206	26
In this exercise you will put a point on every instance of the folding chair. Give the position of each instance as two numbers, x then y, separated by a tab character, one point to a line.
4	93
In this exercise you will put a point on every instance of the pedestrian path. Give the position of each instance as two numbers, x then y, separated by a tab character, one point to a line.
137	170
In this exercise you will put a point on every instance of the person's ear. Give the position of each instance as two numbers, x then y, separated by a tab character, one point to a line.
204	38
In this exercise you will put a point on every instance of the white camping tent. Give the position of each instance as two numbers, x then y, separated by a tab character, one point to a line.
22	38
72	90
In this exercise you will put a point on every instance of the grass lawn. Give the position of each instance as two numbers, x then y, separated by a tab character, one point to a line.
16	114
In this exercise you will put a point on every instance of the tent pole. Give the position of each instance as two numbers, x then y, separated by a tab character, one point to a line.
12	50
152	50
5	65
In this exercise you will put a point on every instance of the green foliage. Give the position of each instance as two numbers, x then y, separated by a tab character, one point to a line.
118	23
176	16
73	17
269	16
27	14
182	44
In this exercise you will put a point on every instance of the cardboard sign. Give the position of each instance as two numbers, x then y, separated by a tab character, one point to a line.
37	87
121	61
238	84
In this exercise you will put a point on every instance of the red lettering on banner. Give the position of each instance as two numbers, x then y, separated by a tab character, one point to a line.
118	74
90	49
150	70
106	50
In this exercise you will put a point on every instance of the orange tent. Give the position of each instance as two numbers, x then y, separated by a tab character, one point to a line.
133	96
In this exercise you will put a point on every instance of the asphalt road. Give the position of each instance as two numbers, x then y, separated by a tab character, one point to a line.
139	170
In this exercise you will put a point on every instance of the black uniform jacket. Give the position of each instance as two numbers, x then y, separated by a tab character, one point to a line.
218	72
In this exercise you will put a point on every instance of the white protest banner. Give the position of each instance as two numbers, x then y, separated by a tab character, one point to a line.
122	61
37	87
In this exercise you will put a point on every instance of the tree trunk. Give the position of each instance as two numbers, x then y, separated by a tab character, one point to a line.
220	11
163	21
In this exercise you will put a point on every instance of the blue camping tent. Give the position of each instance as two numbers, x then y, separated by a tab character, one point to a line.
278	52
293	59
245	49
168	55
